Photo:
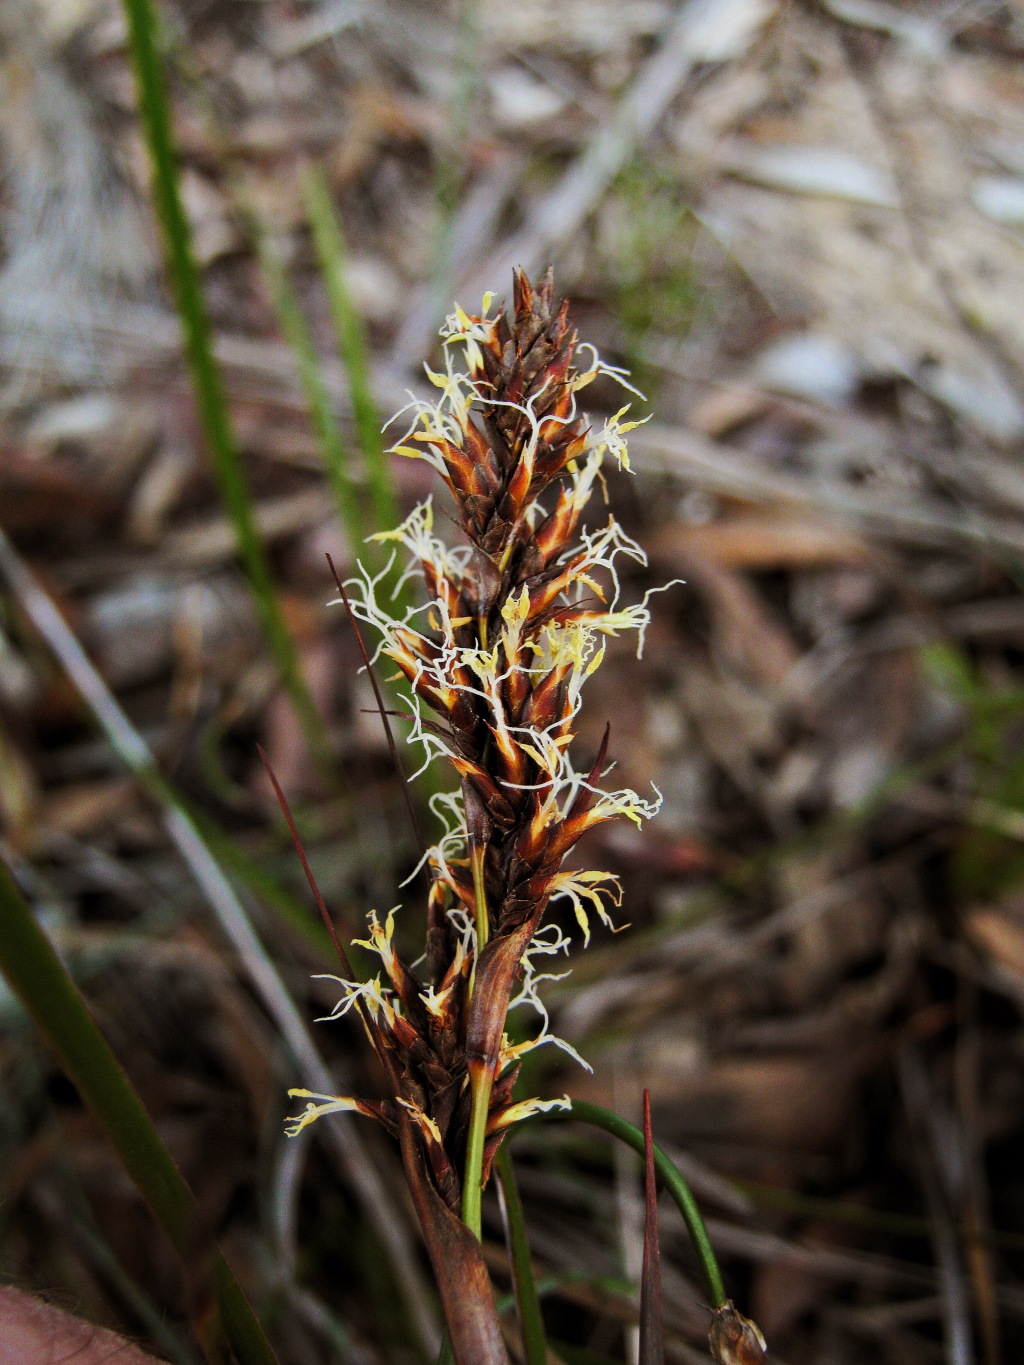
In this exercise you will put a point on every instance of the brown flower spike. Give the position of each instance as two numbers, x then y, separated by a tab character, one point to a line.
495	660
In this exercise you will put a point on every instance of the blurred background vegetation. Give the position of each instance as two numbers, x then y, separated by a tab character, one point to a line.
800	227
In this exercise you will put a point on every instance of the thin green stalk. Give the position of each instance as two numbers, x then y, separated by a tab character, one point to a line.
354	351
483	932
677	1187
481	1075
337	459
531	1322
211	399
481	1080
353	348
355	517
38	977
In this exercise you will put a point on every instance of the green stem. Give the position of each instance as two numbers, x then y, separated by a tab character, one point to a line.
677	1187
531	1322
483	930
40	980
481	1079
210	396
481	1075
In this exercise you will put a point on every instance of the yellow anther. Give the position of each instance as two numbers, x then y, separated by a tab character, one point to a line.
424	1120
330	1104
525	1109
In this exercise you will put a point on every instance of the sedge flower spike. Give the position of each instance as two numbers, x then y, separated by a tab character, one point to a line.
516	618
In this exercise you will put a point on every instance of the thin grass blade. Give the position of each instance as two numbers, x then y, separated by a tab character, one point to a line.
337	460
652	1330
354	352
531	1321
353	348
211	400
39	979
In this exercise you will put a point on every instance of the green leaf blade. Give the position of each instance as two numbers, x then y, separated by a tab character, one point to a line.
211	399
352	345
40	980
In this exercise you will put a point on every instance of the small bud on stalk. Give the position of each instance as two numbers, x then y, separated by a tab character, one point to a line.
734	1339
